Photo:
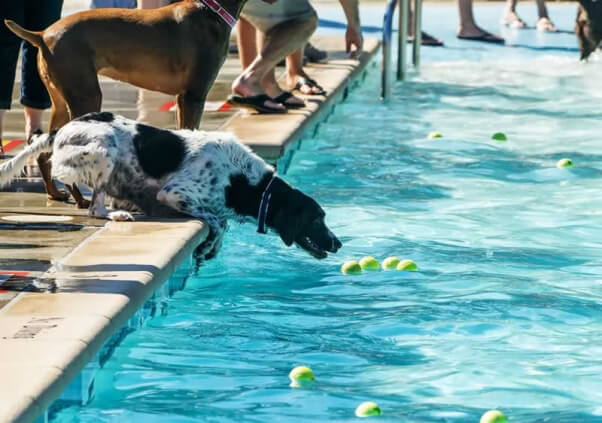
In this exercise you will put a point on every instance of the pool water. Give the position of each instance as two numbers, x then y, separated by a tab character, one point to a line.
505	310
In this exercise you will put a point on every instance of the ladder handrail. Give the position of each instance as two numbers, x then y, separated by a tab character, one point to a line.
386	76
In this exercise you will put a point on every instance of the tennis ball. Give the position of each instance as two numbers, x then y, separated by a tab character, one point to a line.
369	263
499	136
407	266
351	267
434	134
390	263
564	163
301	377
367	409
493	416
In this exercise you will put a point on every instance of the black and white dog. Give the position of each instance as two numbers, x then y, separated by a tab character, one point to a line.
206	175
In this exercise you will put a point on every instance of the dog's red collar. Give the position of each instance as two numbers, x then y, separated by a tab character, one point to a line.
219	10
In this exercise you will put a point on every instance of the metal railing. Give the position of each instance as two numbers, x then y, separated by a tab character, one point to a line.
402	38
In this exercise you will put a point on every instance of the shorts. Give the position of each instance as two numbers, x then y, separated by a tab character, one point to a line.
264	16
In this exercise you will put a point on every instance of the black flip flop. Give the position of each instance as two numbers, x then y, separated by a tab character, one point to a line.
311	83
485	38
428	40
282	99
255	102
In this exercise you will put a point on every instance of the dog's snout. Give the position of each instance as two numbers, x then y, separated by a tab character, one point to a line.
336	244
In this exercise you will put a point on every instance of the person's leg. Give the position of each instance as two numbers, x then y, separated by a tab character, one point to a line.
245	39
9	54
280	41
39	14
510	17
468	28
544	23
296	76
2	113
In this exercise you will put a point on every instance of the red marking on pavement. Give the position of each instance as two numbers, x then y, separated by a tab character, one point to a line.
12	144
210	106
167	106
225	107
3	272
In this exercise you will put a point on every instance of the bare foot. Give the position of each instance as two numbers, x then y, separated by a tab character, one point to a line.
304	84
512	20
545	25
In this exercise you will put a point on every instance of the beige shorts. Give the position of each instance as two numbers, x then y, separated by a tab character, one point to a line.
264	16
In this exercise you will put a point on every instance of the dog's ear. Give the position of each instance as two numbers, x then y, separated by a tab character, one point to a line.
288	224
291	215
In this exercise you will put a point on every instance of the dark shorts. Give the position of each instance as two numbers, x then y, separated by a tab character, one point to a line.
35	15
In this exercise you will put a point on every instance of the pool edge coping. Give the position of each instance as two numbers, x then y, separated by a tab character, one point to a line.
46	340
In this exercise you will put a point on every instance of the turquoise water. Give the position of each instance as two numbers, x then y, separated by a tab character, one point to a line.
504	311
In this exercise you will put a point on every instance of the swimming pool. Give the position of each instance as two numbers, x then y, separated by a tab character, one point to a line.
505	310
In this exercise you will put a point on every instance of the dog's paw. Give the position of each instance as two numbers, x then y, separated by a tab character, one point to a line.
120	216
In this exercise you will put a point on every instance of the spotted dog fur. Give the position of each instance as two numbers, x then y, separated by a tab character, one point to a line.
207	175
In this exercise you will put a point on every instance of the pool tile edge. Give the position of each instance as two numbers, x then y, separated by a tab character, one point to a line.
47	338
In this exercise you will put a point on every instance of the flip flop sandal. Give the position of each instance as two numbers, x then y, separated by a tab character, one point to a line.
313	54
284	97
310	83
486	38
427	40
256	103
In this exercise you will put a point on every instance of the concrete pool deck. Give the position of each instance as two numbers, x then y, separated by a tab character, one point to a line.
68	282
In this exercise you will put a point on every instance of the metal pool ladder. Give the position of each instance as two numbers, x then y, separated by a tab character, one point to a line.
402	38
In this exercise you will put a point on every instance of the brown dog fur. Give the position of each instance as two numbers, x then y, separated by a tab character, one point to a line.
177	49
589	26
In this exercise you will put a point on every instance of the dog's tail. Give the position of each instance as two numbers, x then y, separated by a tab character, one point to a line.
34	37
41	143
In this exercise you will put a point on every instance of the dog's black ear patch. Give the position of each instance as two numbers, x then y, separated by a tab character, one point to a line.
97	116
242	197
159	151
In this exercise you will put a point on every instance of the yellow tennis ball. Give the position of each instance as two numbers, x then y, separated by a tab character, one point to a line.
434	134
493	416
564	163
390	263
499	136
367	409
301	376
369	263
407	266
351	267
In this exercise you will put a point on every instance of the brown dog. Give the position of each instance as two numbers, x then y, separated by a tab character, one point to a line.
177	50
589	26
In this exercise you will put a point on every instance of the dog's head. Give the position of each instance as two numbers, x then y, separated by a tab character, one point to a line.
296	217
589	26
299	219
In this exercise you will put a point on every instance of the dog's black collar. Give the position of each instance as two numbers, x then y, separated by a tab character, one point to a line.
263	206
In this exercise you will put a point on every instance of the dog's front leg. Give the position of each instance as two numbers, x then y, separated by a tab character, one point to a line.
99	210
212	244
182	202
